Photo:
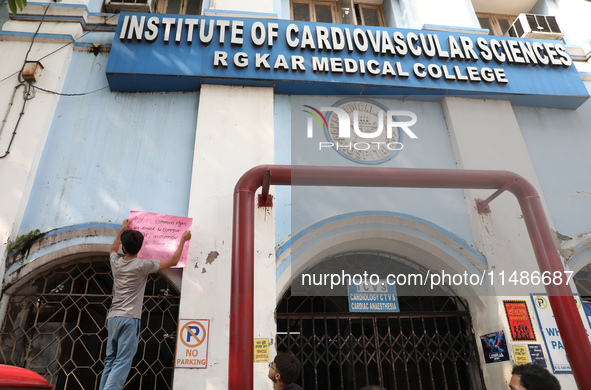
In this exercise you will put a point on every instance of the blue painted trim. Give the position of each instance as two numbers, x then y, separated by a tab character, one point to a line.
578	257
205	4
233	12
92	225
470	30
55	18
57	246
282	248
91	45
382	227
67	243
578	246
53	4
41	35
68	5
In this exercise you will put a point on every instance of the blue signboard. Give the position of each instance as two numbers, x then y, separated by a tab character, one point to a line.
373	297
178	53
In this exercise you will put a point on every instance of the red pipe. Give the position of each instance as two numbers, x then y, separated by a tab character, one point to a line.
568	320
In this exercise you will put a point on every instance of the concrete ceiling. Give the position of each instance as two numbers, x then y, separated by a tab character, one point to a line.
503	6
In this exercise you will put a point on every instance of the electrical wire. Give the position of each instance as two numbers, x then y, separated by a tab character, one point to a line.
25	100
70	94
32	42
27	95
59	48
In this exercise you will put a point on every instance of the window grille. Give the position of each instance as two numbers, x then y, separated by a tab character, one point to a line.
55	325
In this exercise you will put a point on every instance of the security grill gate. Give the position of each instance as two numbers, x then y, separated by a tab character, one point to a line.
55	325
423	350
430	344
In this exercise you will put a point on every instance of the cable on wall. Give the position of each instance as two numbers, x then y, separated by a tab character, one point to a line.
26	97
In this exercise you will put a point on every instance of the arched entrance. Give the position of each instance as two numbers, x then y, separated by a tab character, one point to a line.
55	325
429	344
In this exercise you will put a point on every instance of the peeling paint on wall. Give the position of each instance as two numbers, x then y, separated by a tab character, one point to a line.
211	257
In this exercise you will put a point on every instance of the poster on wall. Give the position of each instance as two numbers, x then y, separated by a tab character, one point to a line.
519	321
556	351
494	347
261	350
520	354
162	234
537	354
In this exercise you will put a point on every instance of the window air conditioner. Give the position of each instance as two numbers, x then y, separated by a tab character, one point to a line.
535	26
146	6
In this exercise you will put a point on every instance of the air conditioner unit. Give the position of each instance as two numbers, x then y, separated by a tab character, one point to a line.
146	6
535	26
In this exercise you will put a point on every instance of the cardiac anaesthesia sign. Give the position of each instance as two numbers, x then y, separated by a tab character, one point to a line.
179	52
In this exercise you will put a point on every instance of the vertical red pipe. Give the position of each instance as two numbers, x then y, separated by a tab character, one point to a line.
242	294
240	375
566	314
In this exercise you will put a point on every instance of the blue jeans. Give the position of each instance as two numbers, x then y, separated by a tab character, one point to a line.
124	334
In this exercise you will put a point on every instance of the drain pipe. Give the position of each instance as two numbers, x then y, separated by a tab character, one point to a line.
568	320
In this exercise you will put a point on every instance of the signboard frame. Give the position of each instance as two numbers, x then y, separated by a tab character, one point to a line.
194	360
550	351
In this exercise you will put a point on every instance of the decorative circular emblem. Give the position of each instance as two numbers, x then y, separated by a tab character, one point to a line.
368	140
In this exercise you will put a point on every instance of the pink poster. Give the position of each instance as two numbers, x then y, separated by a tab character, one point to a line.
162	234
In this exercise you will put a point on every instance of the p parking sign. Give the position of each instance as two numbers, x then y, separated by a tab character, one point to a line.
192	343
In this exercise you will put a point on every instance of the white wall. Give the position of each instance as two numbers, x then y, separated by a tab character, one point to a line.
457	13
234	133
265	6
18	168
486	135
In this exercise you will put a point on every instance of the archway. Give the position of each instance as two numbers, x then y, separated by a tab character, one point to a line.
428	344
55	324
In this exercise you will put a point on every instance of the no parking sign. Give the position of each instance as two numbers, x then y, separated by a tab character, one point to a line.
191	344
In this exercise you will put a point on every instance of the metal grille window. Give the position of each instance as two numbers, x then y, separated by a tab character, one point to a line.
428	345
56	325
583	281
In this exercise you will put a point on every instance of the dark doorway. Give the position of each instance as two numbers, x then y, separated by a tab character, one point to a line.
429	344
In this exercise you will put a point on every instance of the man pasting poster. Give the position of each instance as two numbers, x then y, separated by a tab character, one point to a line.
162	233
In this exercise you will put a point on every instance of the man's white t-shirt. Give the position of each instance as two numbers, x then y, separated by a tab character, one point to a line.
129	285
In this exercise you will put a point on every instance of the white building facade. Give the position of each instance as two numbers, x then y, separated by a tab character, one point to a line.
162	107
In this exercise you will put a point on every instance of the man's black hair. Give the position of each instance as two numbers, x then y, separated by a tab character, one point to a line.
534	377
132	241
288	367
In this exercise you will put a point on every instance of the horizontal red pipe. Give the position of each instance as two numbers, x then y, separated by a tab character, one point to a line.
240	375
